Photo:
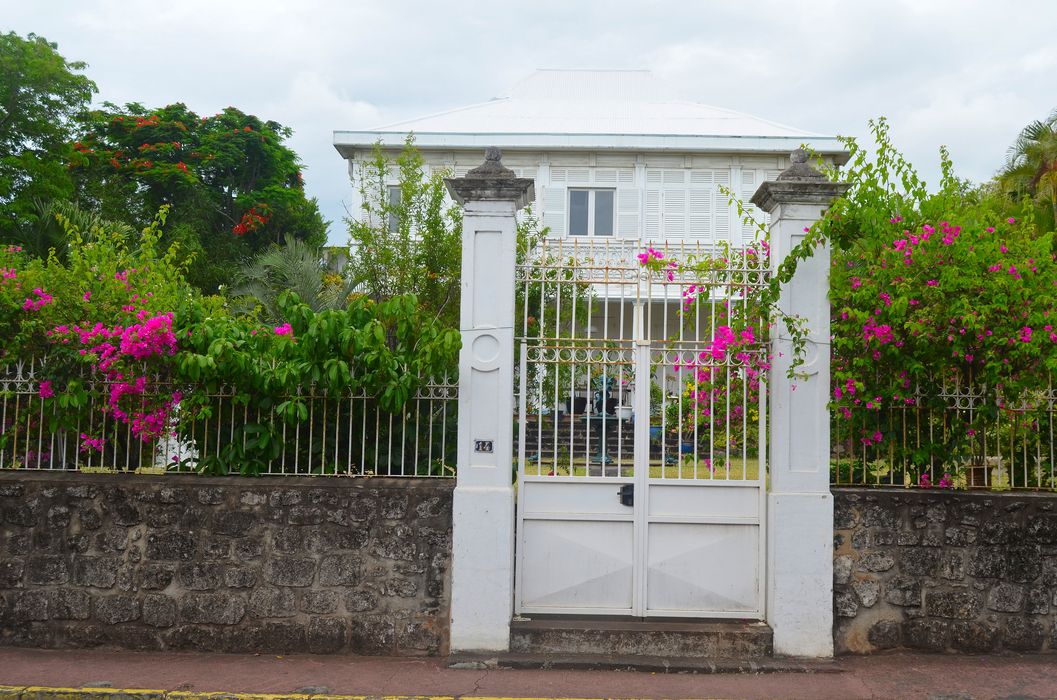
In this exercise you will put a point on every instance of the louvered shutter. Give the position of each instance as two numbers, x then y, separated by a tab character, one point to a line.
674	211
653	214
554	209
627	212
700	209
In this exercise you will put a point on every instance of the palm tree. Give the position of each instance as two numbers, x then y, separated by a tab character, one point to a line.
296	266
1031	164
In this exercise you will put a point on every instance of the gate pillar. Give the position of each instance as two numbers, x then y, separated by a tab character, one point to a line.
799	504
482	581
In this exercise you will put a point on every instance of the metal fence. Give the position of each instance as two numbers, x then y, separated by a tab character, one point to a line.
225	432
961	437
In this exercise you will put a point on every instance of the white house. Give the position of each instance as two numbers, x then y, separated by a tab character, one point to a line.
613	153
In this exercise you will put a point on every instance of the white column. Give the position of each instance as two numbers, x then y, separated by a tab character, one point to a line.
483	513
800	507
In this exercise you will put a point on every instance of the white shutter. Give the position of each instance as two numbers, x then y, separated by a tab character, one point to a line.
700	208
749	183
653	215
607	176
579	176
674	210
554	209
628	212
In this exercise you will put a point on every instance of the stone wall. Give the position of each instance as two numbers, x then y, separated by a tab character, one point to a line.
949	571
277	565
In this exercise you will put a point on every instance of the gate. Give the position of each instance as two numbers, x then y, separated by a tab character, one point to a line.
641	429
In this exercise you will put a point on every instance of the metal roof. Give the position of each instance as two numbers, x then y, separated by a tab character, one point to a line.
592	109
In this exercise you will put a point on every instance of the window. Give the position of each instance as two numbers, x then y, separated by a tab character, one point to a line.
395	200
591	212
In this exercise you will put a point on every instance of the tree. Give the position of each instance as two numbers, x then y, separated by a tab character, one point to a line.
410	244
40	93
234	187
1031	164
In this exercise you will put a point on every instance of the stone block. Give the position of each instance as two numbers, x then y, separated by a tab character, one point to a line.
280	637
419	636
908	538
32	605
1042	528
341	570
47	571
360	601
305	515
393	505
210	496
1023	563
97	572
18	542
974	637
1023	634
155	576
885	634
212	608
952	566
236	523
880	515
401	588
372	635
159	610
24	514
12	490
284	497
89	518
201	576
290	571
842	569
11	573
326	635
288	540
171	545
319	602
57	517
867	590
70	604
1038	602
272	602
920	561
845	603
1001	531
363	508
876	561
112	539
928	634
959	536
248	549
395	543
240	577
1006	597
114	609
958	605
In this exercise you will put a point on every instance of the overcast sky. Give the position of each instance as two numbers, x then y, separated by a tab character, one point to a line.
966	74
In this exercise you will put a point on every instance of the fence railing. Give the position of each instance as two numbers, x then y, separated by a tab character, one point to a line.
964	437
345	434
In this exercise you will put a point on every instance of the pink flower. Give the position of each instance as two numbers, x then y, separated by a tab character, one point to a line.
284	329
45	390
933	283
1011	220
87	296
990	229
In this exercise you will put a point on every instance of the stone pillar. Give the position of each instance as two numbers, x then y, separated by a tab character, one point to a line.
799	505
482	592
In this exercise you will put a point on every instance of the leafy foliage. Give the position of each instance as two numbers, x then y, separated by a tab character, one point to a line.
233	186
40	94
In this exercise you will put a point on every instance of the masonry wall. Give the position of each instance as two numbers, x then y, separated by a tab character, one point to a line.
234	564
945	571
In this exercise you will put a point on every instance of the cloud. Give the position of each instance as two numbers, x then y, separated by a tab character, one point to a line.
943	71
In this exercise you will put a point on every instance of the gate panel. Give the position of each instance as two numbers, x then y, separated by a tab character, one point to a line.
640	436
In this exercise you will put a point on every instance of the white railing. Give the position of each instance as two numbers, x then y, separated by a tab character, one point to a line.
343	434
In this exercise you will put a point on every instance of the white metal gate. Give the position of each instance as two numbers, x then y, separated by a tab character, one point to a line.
641	431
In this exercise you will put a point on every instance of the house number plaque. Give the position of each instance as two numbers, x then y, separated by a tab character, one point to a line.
482	446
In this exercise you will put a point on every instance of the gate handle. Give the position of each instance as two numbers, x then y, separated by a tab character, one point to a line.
627	495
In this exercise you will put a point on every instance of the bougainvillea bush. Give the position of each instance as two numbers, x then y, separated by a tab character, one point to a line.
128	355
944	327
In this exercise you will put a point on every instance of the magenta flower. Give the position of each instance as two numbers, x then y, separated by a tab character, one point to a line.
45	390
284	329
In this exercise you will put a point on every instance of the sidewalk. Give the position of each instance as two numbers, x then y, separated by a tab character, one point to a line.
902	675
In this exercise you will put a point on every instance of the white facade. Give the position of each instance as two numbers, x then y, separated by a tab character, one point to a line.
666	161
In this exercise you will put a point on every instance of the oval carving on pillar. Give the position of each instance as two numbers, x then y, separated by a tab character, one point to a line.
485	351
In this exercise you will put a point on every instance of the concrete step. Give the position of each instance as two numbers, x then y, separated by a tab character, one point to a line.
705	639
649	664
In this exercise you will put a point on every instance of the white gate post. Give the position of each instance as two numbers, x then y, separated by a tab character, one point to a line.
482	586
799	505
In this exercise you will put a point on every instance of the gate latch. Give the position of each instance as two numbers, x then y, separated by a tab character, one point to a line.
627	495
